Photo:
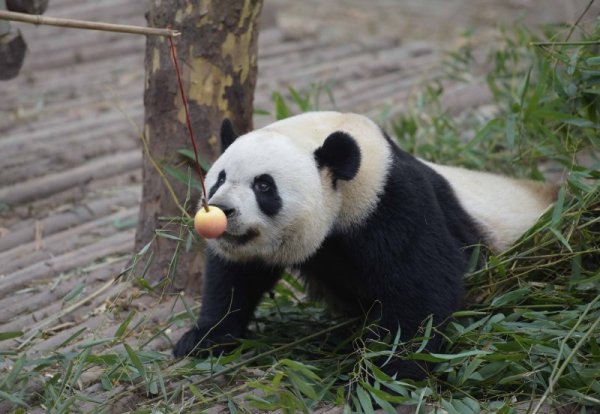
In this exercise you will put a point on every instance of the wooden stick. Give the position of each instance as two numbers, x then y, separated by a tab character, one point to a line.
83	24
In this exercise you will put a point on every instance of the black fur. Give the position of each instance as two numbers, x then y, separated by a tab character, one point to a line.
340	154
406	261
267	196
228	134
220	181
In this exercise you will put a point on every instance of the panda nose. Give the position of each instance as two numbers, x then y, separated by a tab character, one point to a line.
229	211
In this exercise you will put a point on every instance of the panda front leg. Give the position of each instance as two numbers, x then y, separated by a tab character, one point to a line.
230	295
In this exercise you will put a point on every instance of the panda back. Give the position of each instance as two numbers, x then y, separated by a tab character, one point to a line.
503	207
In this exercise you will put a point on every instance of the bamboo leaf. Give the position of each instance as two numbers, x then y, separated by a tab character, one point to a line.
365	400
135	360
12	398
4	336
124	324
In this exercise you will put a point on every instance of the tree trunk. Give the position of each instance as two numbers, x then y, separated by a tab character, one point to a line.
217	53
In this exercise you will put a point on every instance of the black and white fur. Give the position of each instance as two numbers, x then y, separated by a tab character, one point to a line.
366	224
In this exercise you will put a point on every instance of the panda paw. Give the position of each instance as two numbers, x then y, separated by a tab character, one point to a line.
201	343
406	369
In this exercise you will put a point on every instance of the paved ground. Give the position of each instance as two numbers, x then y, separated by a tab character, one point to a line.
70	157
405	20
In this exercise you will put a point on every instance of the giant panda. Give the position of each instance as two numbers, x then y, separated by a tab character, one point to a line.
371	229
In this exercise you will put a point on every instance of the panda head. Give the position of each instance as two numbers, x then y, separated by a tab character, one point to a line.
281	194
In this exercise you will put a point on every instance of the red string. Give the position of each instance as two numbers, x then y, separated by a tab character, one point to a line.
189	123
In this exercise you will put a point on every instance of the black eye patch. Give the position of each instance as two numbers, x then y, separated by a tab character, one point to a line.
267	196
220	181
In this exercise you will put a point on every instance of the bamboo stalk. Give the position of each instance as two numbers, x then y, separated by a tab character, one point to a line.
83	24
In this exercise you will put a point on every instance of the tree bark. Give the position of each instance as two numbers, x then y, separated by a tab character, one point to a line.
217	53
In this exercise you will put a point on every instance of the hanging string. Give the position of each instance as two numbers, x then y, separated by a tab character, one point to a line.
189	123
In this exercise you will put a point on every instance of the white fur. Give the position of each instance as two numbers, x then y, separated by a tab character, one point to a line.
504	208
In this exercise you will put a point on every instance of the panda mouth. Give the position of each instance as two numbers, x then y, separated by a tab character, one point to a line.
239	239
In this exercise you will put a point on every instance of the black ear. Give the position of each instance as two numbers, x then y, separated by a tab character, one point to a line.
228	134
339	153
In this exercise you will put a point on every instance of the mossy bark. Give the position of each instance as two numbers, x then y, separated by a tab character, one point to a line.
217	53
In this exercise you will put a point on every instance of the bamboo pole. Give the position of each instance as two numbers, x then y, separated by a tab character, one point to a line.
87	25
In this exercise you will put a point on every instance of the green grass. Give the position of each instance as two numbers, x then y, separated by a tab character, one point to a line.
528	335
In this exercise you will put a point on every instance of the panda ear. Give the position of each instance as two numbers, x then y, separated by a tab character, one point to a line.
339	153
228	134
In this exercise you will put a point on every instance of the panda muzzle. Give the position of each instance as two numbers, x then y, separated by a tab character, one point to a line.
240	239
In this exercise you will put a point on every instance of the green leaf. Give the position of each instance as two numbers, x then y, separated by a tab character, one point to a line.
449	357
562	239
81	365
365	400
462	408
449	407
144	249
153	387
182	177
189	154
384	396
483	134
593	60
435	357
581	122
304	369
166	235
511	128
472	404
281	109
124	324
303	103
467	313
9	381
135	360
262	112
524	88
124	224
426	336
74	293
106	383
144	284
397	342
468	371
10	335
510	298
300	384
231	406
558	208
12	398
71	338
